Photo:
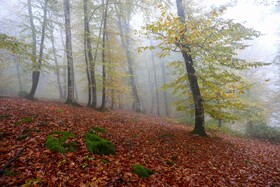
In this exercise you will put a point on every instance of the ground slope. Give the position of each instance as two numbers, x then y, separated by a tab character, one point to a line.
176	157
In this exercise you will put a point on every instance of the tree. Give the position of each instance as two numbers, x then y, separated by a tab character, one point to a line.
103	102
37	65
70	65
215	82
196	95
125	30
90	63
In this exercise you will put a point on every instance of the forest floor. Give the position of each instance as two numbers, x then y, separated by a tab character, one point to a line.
176	157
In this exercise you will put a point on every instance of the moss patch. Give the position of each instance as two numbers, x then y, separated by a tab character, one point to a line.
24	120
98	145
97	129
60	142
141	171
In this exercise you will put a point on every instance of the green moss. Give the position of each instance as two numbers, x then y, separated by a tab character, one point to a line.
98	129
168	162
24	120
59	110
141	171
56	141
98	145
104	161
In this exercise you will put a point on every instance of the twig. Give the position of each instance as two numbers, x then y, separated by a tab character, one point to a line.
12	160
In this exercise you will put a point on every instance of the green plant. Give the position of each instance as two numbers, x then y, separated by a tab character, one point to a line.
262	131
104	161
168	162
24	120
98	145
56	141
32	182
212	127
9	172
59	110
141	171
97	129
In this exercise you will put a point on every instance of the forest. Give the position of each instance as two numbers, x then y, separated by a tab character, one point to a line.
139	93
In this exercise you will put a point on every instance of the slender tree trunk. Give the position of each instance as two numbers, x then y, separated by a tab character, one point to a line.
197	99
124	27
64	72
19	77
37	68
163	71
92	69
155	78
70	66
103	103
87	49
57	69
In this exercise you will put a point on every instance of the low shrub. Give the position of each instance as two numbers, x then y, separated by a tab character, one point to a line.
262	131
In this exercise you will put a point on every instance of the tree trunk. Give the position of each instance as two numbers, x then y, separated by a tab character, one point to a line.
103	103
163	71
87	49
18	74
57	69
92	68
70	66
124	27
64	72
155	78
197	99
37	66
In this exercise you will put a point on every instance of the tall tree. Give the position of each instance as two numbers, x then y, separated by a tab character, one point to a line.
211	42
196	95
103	102
90	64
68	47
125	31
37	65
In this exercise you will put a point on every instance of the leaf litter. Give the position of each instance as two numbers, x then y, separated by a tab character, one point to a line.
176	157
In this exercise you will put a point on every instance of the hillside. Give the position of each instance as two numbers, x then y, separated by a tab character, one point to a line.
175	157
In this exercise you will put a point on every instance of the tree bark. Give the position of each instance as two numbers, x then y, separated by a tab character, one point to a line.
18	75
103	103
37	66
70	66
124	27
196	95
87	49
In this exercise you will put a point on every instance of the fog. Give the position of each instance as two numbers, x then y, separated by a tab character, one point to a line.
264	17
